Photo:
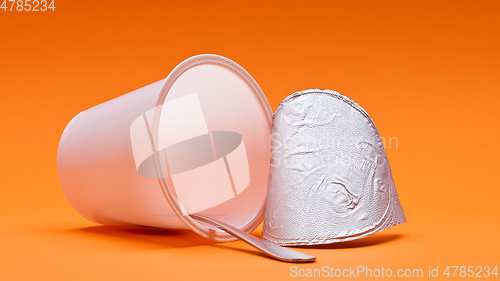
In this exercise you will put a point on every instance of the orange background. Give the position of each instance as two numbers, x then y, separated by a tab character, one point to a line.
426	71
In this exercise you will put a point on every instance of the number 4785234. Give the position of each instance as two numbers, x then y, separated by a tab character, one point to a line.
470	271
27	5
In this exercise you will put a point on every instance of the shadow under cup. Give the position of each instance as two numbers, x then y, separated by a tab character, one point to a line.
199	139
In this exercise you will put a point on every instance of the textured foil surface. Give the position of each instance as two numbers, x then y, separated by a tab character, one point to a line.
330	179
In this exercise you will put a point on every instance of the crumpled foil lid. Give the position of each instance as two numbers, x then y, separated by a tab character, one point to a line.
330	180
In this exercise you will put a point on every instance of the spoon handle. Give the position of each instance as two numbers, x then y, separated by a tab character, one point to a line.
273	250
